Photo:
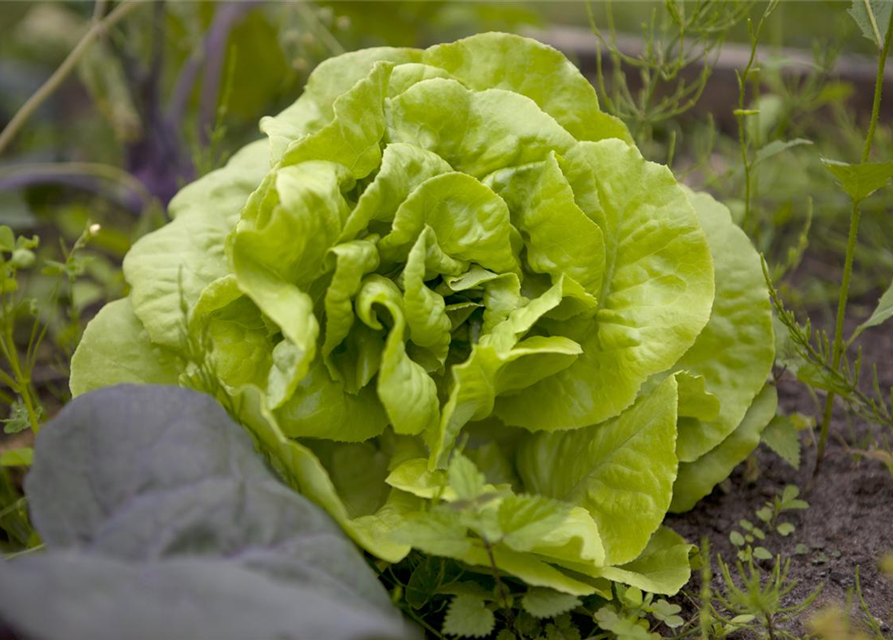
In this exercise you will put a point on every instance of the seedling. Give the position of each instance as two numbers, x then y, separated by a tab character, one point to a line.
758	602
751	537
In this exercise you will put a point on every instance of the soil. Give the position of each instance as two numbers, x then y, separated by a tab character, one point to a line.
849	522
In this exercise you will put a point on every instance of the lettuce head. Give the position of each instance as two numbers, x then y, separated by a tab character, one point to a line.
458	309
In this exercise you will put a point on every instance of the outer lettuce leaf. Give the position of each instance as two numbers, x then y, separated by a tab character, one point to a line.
735	351
527	535
532	69
116	349
303	471
654	302
663	566
696	479
175	263
695	402
621	471
332	78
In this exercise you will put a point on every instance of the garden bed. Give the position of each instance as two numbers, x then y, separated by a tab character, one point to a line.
849	522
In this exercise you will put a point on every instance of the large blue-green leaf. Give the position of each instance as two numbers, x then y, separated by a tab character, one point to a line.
104	598
147	497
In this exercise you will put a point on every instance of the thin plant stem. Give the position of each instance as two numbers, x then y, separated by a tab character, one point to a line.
62	72
5	378
99	8
23	382
500	588
419	620
24	552
878	91
838	346
739	115
15	506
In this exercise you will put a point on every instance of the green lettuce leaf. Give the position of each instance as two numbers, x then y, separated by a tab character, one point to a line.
534	70
621	471
116	349
648	316
170	267
352	137
560	238
663	566
476	132
735	351
316	107
242	346
696	479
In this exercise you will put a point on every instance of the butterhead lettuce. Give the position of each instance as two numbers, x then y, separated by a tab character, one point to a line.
459	310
